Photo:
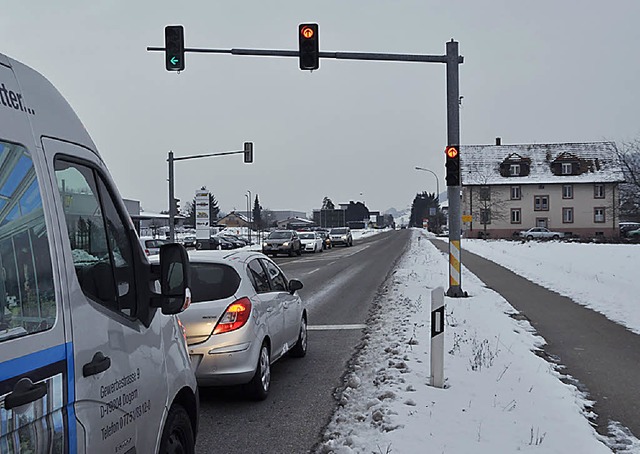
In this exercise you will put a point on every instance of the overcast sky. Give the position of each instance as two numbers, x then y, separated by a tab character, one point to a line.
534	72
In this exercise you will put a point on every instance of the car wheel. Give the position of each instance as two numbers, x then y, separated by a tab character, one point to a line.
300	349
529	238
556	237
259	385
177	435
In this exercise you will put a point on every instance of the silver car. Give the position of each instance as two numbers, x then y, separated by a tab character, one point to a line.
245	314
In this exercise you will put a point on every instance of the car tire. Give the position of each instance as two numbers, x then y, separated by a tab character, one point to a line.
300	349
529	238
177	435
259	385
556	237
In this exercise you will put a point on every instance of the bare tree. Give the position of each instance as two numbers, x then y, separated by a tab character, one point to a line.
629	155
488	197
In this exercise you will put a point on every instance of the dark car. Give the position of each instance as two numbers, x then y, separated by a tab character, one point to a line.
282	241
341	235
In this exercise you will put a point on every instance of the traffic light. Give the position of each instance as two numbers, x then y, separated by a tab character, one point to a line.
309	46
248	152
453	165
174	47
176	205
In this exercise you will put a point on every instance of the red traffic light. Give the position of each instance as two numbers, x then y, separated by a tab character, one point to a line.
451	152
307	32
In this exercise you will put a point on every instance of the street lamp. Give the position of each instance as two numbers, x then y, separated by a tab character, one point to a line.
437	195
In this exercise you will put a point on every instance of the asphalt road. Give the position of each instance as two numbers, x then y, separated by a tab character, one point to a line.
339	286
601	355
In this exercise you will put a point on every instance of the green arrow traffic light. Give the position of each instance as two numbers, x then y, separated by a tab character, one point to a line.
174	47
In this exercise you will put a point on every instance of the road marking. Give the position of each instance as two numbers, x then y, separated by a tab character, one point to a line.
312	271
335	327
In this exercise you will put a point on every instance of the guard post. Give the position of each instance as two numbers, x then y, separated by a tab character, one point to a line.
437	337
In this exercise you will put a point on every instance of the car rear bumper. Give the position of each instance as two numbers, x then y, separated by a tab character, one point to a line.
232	365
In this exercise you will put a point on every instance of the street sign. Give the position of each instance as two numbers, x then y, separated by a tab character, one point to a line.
467	218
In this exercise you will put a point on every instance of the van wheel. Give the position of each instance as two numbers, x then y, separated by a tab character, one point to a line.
300	349
177	436
259	385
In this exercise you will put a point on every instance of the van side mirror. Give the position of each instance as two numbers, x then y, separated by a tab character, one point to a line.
294	285
174	279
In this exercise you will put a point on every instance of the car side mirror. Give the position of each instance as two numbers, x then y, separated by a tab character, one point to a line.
294	285
174	279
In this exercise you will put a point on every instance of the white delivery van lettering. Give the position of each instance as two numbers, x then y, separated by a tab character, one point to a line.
10	98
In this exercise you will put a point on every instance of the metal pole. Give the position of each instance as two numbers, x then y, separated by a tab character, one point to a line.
172	207
250	214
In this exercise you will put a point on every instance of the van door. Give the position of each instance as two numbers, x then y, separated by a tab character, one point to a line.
120	388
36	378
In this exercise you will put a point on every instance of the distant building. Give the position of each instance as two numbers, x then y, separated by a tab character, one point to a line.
295	223
567	187
234	219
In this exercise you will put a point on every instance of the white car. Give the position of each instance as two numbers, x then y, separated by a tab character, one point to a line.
311	242
541	233
151	245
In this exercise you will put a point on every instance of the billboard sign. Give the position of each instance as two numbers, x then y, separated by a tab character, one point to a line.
202	215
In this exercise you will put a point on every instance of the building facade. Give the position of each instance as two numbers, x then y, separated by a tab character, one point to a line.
567	187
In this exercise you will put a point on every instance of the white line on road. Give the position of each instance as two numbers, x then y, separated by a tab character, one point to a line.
312	271
335	327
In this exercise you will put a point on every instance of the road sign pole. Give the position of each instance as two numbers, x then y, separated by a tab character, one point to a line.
437	337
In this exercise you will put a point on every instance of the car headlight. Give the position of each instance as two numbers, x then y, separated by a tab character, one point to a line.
344	237
286	244
265	244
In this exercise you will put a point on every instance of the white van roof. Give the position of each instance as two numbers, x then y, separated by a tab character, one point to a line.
25	94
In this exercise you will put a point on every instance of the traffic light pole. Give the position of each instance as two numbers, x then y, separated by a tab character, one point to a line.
453	192
452	59
171	159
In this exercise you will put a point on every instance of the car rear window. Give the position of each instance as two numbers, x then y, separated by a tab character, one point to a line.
307	236
212	281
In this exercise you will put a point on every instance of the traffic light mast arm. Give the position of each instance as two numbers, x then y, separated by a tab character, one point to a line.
335	55
184	158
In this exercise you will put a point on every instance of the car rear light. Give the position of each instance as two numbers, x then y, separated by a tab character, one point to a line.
234	317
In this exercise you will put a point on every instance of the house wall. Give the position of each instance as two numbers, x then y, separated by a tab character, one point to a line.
583	204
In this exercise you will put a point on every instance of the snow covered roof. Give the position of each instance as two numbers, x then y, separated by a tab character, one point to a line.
594	162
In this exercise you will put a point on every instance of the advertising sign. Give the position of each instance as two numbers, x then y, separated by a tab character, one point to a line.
202	215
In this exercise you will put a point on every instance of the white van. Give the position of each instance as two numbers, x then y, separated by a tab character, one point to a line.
88	361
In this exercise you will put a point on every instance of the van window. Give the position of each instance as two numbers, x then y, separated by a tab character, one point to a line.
101	251
27	296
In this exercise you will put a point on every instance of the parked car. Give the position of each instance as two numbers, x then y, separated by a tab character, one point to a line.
151	245
311	242
220	242
626	227
341	235
245	315
282	241
541	233
635	234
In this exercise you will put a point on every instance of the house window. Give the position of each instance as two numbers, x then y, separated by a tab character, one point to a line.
485	216
598	214
515	216
485	193
598	191
567	191
541	203
567	168
515	192
514	170
567	215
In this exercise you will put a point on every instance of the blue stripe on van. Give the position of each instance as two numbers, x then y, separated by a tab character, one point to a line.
71	395
24	364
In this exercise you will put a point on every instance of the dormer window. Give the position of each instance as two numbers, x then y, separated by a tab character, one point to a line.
567	168
514	170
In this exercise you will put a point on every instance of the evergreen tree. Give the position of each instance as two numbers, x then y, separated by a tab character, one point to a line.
257	214
327	204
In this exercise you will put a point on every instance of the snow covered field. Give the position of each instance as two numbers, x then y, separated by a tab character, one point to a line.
499	396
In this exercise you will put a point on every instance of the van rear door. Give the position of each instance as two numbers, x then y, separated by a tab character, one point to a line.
121	388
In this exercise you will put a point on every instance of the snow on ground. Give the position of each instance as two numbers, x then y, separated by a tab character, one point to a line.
499	396
603	277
